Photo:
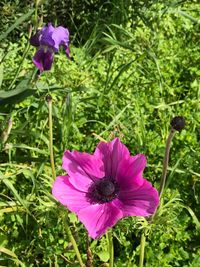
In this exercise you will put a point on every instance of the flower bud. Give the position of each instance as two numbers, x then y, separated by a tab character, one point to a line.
178	123
48	98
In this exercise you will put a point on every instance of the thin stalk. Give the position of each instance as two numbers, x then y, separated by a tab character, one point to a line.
69	233
161	189
36	14
89	253
73	241
166	161
110	248
142	248
6	133
49	100
165	166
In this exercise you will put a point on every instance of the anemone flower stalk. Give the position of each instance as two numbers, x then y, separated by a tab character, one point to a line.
177	124
110	248
161	189
49	101
142	248
166	161
69	233
105	187
89	253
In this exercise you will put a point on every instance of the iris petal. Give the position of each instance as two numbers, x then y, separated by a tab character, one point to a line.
60	36
34	40
46	36
43	60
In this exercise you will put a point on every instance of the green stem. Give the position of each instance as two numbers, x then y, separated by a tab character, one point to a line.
161	190
6	133
49	100
142	248
89	253
73	241
166	161
20	66
69	233
36	14
111	248
165	166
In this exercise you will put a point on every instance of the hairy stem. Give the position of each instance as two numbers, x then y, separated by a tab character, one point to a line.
89	253
69	233
142	248
161	189
49	100
166	161
72	240
111	248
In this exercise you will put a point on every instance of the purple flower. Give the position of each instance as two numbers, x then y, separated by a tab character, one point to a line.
48	40
104	187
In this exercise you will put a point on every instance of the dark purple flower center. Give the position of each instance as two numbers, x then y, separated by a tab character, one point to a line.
103	190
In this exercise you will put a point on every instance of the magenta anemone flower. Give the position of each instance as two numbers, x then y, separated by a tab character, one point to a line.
48	40
104	187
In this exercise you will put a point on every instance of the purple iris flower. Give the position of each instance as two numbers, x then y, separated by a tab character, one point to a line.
105	187
48	40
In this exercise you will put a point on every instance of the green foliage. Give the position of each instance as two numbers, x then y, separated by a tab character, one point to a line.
128	79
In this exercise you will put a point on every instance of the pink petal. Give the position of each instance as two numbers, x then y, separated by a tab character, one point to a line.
111	154
138	201
69	196
82	168
99	217
130	171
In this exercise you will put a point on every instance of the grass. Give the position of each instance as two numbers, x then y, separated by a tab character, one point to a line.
130	83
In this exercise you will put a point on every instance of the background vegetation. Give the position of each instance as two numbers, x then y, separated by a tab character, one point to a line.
135	66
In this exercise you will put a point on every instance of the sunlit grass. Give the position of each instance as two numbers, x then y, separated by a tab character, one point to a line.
129	81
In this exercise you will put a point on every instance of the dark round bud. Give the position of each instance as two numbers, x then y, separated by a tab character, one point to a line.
48	98
178	123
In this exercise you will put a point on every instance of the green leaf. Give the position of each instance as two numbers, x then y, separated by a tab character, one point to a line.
104	256
8	252
7	182
194	217
11	254
16	24
18	94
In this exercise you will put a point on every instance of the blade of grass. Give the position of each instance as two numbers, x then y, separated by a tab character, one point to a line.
6	181
194	217
23	146
11	254
16	24
116	118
